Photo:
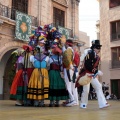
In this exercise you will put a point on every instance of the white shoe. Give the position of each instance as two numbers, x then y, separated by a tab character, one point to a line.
76	104
105	106
72	103
83	106
19	103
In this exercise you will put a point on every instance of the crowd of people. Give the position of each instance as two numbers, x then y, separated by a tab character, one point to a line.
46	74
47	69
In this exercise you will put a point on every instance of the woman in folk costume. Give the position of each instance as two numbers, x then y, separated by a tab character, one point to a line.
19	86
27	71
68	54
91	63
39	81
18	76
57	89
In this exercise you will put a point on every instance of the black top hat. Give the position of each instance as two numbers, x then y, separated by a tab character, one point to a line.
96	44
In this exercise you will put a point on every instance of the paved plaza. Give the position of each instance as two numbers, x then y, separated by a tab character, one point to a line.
8	111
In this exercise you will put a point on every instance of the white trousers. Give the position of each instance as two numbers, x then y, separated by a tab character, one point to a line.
75	91
73	94
98	89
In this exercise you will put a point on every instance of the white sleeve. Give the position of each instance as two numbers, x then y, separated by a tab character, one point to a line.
63	48
22	61
47	59
32	58
50	60
84	54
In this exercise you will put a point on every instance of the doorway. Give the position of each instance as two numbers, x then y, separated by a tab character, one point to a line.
9	74
115	88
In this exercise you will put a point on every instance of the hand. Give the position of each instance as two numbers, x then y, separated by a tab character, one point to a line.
73	69
93	70
62	74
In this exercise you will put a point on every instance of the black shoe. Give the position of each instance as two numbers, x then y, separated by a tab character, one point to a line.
27	105
56	105
43	105
50	105
36	105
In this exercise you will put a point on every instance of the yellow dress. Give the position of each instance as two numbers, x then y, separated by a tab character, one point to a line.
38	84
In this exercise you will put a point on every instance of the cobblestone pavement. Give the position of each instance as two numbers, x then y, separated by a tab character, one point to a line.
8	111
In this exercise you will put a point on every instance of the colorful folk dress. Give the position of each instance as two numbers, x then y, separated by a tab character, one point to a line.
39	81
21	79
57	89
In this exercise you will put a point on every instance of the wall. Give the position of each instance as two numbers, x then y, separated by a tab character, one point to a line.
106	16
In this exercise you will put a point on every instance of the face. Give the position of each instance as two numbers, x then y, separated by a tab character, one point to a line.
96	50
66	46
41	44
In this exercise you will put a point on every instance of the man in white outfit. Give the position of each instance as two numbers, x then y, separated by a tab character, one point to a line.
69	71
91	62
98	89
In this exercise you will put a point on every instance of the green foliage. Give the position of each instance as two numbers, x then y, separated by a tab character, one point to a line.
12	70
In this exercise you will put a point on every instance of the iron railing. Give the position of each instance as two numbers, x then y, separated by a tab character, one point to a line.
70	30
10	13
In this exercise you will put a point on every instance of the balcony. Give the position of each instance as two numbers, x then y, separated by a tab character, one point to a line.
10	13
115	64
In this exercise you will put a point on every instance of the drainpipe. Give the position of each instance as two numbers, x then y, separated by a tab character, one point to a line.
39	11
73	16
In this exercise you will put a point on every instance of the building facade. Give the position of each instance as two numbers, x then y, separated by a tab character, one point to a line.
62	13
110	40
85	44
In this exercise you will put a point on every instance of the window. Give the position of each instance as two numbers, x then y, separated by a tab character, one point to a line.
20	5
114	3
115	30
115	52
58	17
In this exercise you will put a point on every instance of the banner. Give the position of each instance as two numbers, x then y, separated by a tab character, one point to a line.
23	26
64	31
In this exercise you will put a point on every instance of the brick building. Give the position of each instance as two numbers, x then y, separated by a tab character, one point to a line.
58	12
110	40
